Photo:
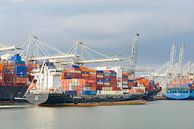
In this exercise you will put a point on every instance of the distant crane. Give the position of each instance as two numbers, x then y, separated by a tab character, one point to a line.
171	63
134	50
179	67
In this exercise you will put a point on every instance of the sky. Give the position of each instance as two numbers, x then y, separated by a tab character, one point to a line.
107	25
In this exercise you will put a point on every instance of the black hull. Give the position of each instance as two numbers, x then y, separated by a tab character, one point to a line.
8	93
54	99
106	98
150	95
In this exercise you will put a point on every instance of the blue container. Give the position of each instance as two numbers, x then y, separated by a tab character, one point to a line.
152	82
21	71
16	58
20	62
113	74
107	79
84	72
130	80
89	92
76	66
190	84
100	71
74	93
100	80
68	77
124	76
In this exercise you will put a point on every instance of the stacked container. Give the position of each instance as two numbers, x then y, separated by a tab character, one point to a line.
125	80
20	69
78	87
1	73
13	72
79	80
100	79
113	80
85	73
107	78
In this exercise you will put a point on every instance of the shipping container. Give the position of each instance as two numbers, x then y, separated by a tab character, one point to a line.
89	92
21	71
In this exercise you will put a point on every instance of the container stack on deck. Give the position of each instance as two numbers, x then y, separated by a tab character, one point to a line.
13	77
100	79
13	72
80	80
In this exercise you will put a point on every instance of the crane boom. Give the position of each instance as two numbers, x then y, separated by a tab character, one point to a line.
10	48
52	57
91	61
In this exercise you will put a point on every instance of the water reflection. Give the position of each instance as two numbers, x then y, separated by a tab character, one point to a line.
153	115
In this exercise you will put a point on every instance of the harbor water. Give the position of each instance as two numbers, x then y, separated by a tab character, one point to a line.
164	114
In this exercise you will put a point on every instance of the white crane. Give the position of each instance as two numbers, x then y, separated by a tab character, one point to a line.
4	48
171	63
134	50
85	54
9	50
35	50
80	53
179	65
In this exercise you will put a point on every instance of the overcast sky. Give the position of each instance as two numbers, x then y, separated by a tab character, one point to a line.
108	25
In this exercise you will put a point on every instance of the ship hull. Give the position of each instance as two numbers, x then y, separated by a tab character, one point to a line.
47	98
192	94
107	98
55	99
8	93
150	95
178	96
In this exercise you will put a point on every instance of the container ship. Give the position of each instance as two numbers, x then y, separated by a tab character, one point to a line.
13	78
80	84
179	89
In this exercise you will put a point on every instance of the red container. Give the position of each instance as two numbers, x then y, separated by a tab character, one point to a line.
132	84
116	88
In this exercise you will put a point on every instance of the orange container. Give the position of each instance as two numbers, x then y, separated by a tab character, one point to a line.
1	67
21	80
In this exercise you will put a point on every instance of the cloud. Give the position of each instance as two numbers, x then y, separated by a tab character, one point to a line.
102	24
